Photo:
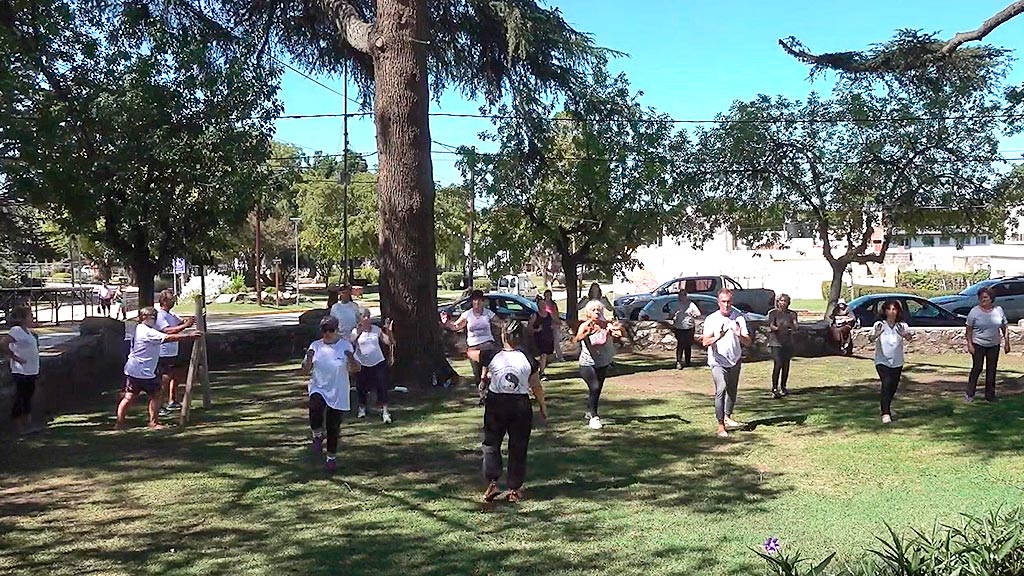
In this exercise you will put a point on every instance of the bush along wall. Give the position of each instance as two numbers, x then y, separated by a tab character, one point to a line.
938	280
861	290
991	545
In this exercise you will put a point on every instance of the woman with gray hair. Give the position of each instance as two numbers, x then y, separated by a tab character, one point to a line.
596	351
373	352
140	369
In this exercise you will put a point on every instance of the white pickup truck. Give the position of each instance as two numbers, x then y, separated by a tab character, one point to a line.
759	300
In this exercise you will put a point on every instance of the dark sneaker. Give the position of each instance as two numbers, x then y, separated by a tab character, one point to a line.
318	445
331	466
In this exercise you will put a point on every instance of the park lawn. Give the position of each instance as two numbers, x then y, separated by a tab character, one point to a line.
253	309
654	492
816	306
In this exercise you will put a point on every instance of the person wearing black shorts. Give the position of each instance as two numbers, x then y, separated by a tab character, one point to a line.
140	369
167	368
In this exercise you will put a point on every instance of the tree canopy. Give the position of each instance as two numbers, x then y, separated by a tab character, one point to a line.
888	161
592	183
145	138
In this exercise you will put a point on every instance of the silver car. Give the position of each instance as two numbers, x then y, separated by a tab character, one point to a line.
663	308
1008	293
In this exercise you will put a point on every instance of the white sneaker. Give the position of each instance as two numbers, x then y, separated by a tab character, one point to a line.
386	417
730	423
595	423
886	419
362	413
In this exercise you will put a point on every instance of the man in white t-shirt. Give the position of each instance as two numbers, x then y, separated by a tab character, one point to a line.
346	311
104	294
725	334
140	368
171	373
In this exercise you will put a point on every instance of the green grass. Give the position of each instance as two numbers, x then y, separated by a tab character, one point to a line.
653	493
813	306
251	309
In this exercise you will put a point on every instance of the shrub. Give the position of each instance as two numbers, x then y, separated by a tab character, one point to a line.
235	285
61	277
368	273
451	280
939	280
484	284
974	546
862	290
160	283
270	290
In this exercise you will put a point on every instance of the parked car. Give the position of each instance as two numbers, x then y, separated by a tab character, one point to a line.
663	308
759	300
918	312
1008	293
517	284
504	305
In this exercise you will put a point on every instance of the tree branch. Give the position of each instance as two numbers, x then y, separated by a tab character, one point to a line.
1014	9
352	27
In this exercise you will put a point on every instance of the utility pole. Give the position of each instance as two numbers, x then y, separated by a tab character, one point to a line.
296	221
256	265
468	252
347	264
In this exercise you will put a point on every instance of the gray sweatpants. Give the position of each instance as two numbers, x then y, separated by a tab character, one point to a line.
727	380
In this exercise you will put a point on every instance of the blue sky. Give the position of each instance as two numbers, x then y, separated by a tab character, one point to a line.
690	58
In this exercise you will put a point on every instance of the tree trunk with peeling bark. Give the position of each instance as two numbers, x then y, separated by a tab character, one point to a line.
405	187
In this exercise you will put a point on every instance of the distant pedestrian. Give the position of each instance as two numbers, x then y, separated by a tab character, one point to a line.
328	363
373	353
556	322
346	311
172	372
782	323
121	299
542	327
104	295
513	375
889	334
597	349
684	324
477	323
725	335
986	330
21	346
140	369
594	293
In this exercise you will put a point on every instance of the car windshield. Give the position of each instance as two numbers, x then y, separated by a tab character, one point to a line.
972	290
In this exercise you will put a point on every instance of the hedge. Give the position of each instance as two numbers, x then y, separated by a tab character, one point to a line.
939	280
368	273
861	290
451	280
482	284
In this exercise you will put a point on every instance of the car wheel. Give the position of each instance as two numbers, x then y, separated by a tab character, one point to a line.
635	315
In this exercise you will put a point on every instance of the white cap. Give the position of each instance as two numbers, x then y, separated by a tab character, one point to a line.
842	302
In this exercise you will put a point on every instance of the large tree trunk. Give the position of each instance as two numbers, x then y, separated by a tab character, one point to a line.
145	270
836	289
569	268
405	187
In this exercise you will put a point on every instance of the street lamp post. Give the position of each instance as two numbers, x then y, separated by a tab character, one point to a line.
296	221
277	280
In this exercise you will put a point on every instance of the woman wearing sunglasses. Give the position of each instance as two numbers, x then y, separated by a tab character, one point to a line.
328	363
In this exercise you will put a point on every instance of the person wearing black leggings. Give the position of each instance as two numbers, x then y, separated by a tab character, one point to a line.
986	328
328	362
889	333
596	352
781	325
684	324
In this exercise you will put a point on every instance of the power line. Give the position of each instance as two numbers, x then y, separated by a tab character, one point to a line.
893	119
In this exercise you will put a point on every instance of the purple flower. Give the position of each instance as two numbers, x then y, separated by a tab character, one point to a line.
772	545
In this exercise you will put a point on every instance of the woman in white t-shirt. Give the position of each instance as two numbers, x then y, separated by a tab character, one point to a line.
374	354
889	333
596	352
21	346
684	324
328	363
477	323
140	369
511	376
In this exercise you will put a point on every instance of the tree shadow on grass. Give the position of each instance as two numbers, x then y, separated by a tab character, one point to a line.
244	494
